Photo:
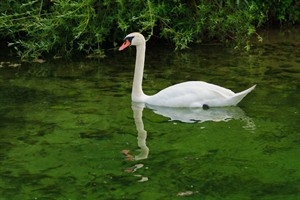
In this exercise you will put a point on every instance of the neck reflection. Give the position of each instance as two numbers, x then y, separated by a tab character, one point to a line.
137	109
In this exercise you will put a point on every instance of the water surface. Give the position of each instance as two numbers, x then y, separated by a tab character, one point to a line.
69	130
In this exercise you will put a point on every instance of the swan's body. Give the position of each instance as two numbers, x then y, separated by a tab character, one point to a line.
186	94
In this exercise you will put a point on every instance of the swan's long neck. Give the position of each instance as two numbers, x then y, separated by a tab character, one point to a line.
137	94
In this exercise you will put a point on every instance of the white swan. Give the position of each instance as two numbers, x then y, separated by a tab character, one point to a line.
187	94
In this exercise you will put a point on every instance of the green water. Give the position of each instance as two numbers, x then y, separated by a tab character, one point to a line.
69	130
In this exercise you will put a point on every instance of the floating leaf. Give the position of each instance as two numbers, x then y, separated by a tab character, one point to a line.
186	193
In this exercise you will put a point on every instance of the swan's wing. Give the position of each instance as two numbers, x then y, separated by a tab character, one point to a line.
191	94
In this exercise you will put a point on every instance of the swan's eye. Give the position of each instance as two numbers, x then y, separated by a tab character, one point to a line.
129	39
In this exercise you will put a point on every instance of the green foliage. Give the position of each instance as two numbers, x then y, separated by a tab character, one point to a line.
63	27
281	10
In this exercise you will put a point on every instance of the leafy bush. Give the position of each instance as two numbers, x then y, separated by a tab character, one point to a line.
63	27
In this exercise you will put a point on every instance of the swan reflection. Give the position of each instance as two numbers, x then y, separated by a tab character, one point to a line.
191	115
186	115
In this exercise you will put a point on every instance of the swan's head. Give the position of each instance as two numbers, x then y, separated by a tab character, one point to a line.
132	39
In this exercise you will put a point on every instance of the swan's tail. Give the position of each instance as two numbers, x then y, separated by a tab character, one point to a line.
239	96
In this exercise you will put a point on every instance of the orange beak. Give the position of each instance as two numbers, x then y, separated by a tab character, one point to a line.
125	45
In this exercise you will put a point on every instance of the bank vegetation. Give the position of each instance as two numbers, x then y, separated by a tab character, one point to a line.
37	28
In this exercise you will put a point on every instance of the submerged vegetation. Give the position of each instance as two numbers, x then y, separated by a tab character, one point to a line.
63	27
